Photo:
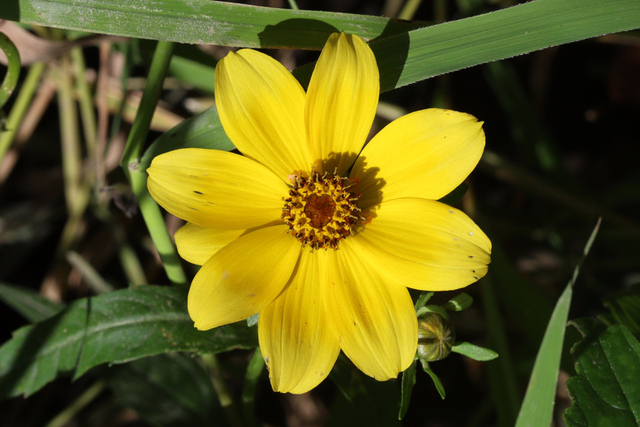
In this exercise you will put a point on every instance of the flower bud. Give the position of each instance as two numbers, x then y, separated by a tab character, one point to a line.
435	337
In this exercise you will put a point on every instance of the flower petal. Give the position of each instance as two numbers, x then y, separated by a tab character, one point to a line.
243	277
197	244
216	189
261	107
375	322
424	154
341	101
295	338
424	244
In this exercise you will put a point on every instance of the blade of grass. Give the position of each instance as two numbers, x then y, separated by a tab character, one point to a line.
537	407
403	57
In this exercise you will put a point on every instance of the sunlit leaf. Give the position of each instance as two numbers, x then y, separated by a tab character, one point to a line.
116	327
537	407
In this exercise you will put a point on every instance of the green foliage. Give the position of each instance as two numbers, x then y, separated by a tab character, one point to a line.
605	392
408	381
30	304
625	310
203	130
405	55
111	328
13	68
537	407
166	390
474	352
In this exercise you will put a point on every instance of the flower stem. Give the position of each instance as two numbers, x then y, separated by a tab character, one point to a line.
20	107
138	178
254	370
224	394
85	398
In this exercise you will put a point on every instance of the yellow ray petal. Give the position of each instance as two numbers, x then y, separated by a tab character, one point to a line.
423	244
424	154
243	277
261	107
341	101
197	244
216	189
375	322
295	338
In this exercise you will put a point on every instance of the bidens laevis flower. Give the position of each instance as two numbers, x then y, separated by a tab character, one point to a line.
315	233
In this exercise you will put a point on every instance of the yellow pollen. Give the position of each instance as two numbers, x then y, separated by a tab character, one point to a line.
321	210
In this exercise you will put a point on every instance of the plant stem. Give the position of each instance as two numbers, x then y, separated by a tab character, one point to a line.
72	410
20	107
138	178
224	394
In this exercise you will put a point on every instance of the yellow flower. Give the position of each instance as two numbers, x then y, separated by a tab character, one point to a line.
319	235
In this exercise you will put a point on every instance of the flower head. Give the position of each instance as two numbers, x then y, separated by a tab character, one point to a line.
319	235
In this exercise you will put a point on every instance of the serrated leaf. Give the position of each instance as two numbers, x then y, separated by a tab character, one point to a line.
605	392
116	327
29	303
474	352
625	309
167	390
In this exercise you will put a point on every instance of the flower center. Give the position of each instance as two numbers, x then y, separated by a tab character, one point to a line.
321	210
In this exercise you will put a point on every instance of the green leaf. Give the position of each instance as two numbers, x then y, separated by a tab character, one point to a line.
605	392
363	401
474	352
537	407
460	302
404	56
436	380
116	327
29	303
201	22
201	131
423	299
166	390
625	309
408	381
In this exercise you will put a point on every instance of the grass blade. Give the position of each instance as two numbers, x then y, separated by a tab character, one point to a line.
537	407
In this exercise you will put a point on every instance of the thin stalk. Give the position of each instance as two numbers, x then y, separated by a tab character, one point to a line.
293	4
409	9
72	410
504	388
254	370
71	153
87	114
20	107
224	394
89	274
138	178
